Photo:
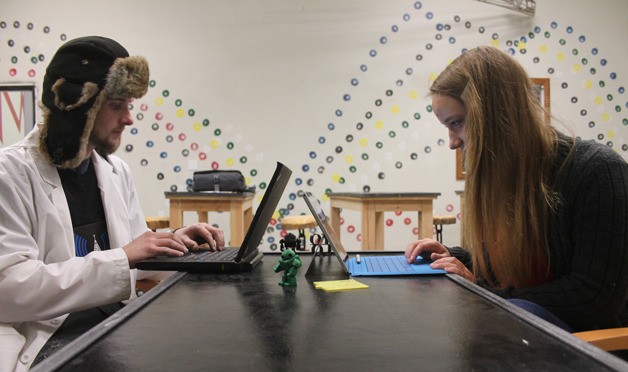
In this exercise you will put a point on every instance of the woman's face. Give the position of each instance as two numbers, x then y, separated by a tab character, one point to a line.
452	114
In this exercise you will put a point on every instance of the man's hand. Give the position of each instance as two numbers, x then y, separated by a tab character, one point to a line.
151	244
199	233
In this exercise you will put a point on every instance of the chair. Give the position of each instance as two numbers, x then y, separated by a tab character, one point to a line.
299	223
609	339
439	221
157	222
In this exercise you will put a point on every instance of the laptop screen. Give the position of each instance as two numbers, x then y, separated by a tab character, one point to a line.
265	211
324	224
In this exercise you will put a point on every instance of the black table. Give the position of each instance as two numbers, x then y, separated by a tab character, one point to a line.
246	321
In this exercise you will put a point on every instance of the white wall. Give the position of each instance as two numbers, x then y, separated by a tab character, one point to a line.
270	75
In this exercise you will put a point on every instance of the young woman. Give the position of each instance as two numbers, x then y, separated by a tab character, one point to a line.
545	214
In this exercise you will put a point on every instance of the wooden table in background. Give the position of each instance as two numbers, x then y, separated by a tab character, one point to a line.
373	206
238	204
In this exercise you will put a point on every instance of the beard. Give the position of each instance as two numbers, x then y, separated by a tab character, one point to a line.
104	146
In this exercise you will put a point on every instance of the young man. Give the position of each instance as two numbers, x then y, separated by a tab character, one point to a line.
71	227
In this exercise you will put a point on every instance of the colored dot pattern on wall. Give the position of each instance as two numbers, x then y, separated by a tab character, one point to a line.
362	145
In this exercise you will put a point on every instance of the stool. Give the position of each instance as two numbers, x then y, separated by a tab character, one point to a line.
298	223
158	222
439	221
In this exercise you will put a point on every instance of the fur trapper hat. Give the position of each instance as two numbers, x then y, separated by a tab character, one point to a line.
84	73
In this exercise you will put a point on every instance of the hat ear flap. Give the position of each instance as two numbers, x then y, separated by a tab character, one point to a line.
69	96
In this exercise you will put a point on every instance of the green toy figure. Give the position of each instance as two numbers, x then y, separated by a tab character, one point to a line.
289	263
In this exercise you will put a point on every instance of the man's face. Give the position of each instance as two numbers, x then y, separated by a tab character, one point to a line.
452	114
114	115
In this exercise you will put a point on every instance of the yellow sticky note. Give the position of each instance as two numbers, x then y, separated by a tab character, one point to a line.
339	285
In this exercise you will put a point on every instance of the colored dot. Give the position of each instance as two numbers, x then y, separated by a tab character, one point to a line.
379	124
364	142
165	93
312	154
180	113
182	137
349	138
321	140
149	143
389	222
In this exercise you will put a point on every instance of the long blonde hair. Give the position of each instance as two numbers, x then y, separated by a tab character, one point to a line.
509	153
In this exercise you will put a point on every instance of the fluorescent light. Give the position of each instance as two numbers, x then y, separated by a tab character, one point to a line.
527	7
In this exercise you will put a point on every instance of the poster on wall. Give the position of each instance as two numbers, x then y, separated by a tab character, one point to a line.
17	112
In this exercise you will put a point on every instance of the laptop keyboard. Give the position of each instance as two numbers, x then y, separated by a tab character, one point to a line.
388	264
227	254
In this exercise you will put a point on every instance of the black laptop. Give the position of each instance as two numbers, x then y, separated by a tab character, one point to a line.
230	259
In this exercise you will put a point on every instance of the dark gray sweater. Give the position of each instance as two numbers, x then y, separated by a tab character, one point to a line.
588	242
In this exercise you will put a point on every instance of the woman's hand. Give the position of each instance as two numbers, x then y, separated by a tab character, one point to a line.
435	251
427	248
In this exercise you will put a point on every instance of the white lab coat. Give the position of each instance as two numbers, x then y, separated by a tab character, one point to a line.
41	279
